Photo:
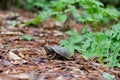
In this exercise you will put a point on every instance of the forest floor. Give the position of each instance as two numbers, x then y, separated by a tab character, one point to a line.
27	60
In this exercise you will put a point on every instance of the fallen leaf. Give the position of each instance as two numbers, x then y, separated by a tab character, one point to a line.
57	33
20	76
60	78
12	33
15	57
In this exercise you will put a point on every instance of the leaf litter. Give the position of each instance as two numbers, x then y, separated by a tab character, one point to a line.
22	59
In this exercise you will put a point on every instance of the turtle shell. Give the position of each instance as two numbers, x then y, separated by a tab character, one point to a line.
61	51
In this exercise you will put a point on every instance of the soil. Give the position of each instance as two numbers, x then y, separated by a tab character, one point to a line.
21	59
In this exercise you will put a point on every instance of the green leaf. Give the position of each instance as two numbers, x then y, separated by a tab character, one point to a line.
64	42
14	23
86	44
85	30
72	33
45	14
108	76
62	17
34	22
28	37
70	48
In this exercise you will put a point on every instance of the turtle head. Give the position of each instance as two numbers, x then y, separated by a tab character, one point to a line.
47	49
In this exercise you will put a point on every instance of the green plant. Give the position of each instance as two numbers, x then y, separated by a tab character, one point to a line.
86	11
14	23
108	76
35	4
28	37
111	2
103	45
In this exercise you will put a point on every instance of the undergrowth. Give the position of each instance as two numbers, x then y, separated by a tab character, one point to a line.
105	46
84	11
